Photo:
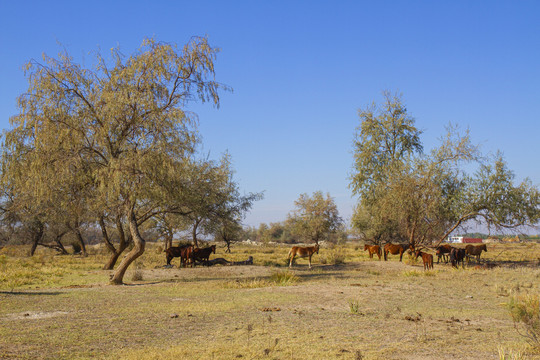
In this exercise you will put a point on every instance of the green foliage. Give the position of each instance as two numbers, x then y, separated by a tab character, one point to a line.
416	197
315	217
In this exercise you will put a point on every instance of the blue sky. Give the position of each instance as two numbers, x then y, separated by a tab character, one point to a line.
300	71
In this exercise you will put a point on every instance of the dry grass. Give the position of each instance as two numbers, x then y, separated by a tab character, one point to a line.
60	307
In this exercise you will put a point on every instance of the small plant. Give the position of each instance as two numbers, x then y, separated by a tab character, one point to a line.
373	272
137	274
354	307
525	311
336	256
511	355
283	278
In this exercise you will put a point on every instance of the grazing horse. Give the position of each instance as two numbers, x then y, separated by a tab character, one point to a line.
373	249
473	250
395	249
457	256
442	251
203	255
174	251
302	252
426	258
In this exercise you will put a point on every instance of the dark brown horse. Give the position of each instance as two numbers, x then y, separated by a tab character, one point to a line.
302	252
395	249
475	250
203	255
457	256
373	249
444	252
427	259
174	251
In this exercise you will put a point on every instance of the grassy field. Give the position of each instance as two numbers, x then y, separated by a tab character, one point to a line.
347	307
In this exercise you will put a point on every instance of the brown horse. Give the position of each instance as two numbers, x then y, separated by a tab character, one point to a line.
395	249
457	256
302	252
373	249
475	250
174	251
203	255
185	255
444	252
427	259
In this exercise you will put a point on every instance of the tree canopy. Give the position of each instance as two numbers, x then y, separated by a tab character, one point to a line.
405	194
115	141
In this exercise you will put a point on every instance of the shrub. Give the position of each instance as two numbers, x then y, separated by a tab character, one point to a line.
283	278
525	311
336	256
354	307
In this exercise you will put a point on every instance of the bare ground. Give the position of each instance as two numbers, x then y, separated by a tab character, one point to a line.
364	310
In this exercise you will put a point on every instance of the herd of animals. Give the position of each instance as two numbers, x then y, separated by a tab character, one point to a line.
445	251
190	255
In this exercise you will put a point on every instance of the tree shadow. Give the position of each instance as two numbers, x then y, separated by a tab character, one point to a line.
31	293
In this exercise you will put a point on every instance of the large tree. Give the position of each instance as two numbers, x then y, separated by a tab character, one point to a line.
315	217
120	127
422	198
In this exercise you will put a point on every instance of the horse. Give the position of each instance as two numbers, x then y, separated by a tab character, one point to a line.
203	255
395	249
302	252
174	251
427	259
442	251
473	250
185	255
373	249
457	256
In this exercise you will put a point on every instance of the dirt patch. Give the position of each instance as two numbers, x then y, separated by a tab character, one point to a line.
35	315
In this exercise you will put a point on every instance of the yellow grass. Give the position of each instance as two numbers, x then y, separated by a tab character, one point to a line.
61	307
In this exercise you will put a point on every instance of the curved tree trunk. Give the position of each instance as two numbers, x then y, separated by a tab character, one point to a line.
138	250
81	241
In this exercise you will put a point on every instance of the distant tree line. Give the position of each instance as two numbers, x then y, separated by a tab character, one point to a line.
314	218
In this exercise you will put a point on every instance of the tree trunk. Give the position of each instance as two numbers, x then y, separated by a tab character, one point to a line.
138	250
194	233
81	241
38	235
60	246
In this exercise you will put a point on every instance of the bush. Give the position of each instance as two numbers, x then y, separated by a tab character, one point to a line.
283	278
336	256
525	311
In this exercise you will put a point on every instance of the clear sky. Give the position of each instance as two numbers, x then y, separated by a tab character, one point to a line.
300	71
